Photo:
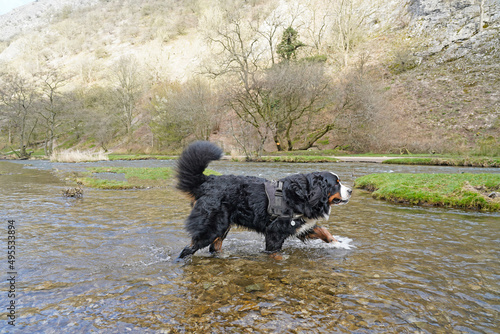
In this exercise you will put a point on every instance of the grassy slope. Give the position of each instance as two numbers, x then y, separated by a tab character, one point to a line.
468	191
453	102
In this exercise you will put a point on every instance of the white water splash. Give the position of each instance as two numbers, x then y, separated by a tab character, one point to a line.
342	243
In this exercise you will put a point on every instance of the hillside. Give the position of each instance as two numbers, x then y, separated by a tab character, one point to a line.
421	76
35	15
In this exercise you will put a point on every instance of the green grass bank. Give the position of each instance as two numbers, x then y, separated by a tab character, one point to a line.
459	161
133	177
129	157
465	191
295	159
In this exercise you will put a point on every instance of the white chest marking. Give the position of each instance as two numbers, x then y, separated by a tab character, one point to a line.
310	223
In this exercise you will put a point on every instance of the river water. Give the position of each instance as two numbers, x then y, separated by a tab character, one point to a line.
106	263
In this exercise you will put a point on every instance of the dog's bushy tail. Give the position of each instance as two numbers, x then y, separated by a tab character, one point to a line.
193	161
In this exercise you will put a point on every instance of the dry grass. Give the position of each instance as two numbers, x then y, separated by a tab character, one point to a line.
78	156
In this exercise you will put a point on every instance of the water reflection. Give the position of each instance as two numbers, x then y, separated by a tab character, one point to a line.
105	263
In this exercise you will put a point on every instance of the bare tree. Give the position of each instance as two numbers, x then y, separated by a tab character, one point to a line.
361	105
182	111
128	88
286	100
54	105
239	61
246	138
293	95
236	50
247	104
317	25
350	18
269	30
94	115
18	95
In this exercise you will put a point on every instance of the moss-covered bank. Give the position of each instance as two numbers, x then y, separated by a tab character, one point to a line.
466	191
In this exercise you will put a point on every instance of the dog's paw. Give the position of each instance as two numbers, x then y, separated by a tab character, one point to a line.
276	256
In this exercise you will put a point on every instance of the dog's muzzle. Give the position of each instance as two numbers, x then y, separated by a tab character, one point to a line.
345	195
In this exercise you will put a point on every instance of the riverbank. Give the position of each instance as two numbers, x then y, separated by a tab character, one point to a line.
464	191
458	161
318	157
291	159
396	160
129	177
130	157
125	177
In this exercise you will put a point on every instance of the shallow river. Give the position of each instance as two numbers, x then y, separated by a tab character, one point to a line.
105	263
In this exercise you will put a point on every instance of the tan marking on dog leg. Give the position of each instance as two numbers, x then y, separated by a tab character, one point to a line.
276	256
321	233
217	244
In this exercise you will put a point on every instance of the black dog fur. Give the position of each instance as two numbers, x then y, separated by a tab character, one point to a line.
220	201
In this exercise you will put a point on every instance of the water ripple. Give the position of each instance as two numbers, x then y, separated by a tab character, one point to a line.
105	263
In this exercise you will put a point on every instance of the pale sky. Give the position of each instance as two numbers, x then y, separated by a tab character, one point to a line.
7	5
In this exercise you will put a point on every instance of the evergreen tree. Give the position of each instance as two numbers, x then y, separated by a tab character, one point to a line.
289	44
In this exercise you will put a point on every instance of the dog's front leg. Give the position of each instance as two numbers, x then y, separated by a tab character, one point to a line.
319	232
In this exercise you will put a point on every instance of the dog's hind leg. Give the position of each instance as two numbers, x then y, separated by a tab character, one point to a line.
193	248
216	246
206	230
274	243
188	250
196	245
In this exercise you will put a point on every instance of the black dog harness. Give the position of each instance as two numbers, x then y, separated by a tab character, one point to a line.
277	207
280	214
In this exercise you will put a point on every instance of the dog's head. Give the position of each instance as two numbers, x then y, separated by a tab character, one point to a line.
313	194
338	194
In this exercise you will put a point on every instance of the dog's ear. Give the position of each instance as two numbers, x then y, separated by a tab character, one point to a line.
318	194
297	188
306	194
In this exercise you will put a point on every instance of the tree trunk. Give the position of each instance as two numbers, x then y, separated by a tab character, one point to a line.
22	147
481	15
288	138
277	142
314	137
45	147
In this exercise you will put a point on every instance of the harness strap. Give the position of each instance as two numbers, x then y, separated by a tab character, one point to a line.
277	207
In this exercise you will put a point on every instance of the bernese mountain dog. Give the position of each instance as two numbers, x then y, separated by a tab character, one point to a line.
288	207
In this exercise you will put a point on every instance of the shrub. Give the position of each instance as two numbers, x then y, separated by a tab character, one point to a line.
489	146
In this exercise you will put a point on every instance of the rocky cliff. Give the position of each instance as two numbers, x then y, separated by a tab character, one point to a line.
456	28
